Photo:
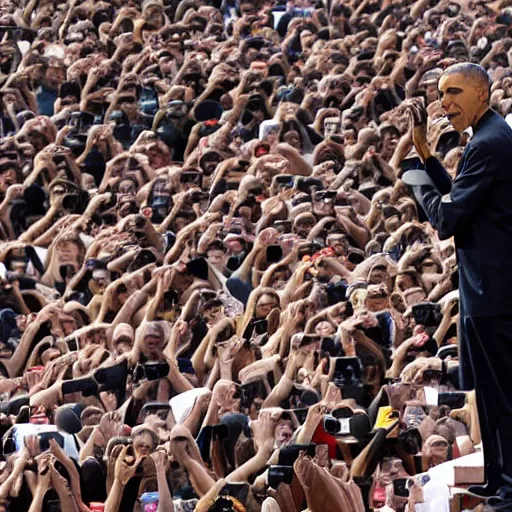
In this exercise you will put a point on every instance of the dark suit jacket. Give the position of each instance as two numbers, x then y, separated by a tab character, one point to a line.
477	210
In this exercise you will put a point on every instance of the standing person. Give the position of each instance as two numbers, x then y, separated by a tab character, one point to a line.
476	209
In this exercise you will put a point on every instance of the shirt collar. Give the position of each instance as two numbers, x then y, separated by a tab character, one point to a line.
487	115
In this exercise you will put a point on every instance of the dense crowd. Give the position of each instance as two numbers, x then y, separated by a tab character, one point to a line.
216	293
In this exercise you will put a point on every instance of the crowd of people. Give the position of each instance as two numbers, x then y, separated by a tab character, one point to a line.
216	292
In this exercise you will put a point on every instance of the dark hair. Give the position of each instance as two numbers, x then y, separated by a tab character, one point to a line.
473	72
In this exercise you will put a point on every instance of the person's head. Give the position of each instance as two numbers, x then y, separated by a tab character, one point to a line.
153	339
145	440
465	92
265	304
122	339
389	136
8	175
283	431
216	255
91	416
55	75
213	311
378	275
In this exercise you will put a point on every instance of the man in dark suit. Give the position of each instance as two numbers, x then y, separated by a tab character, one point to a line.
476	209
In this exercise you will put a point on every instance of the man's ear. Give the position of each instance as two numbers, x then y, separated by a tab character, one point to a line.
484	94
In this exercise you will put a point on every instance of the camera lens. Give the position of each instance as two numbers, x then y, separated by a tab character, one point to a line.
331	425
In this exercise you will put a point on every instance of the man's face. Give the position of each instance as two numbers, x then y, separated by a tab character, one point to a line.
54	76
461	99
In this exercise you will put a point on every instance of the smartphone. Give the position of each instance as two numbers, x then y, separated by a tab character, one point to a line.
113	377
400	487
220	432
341	201
191	177
260	327
454	399
409	164
274	253
322	195
156	408
237	490
283	226
347	371
279	474
227	333
151	371
290	453
427	314
308	339
448	351
284	181
86	385
307	184
308	249
44	440
72	345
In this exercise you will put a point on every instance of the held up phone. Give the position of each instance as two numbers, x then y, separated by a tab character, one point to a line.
448	351
191	177
220	432
44	440
72	345
284	181
226	333
155	407
427	314
339	423
274	253
113	377
307	184
283	226
308	249
197	196
454	400
86	385
400	487
151	371
279	474
308	339
260	327
348	375
237	490
289	454
413	163
322	195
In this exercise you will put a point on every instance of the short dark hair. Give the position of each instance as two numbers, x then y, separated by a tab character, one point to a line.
471	71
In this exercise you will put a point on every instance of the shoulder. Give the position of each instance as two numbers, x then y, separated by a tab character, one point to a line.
494	132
